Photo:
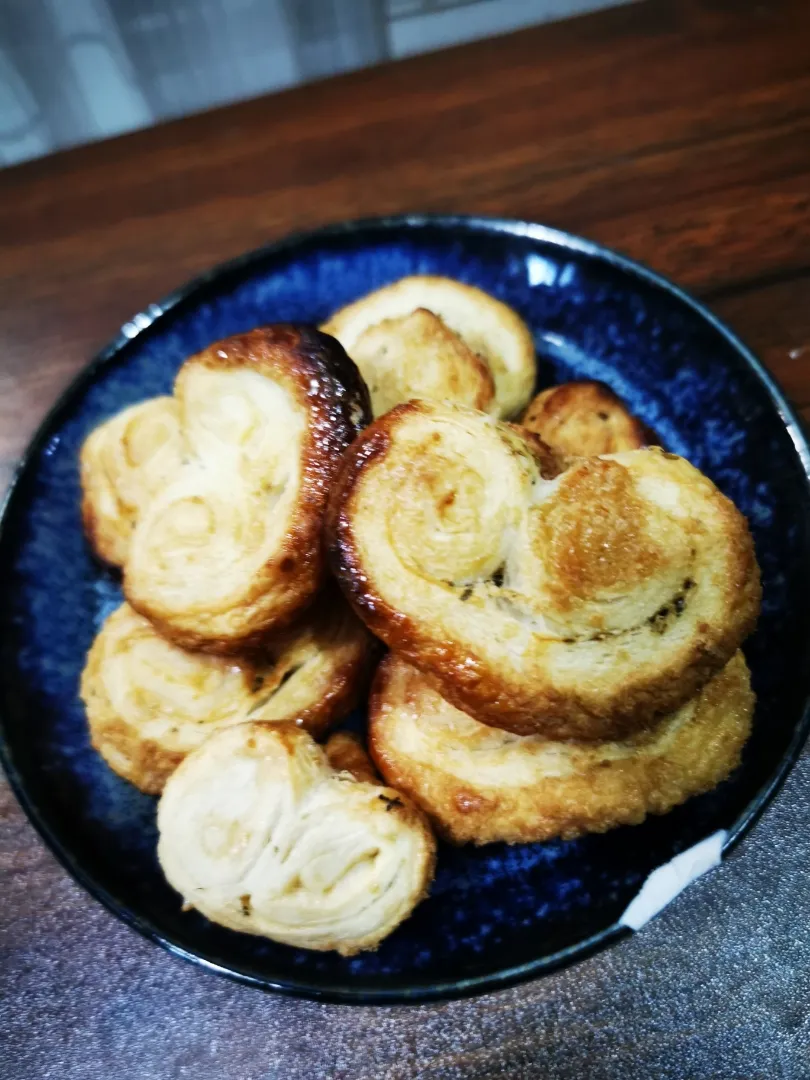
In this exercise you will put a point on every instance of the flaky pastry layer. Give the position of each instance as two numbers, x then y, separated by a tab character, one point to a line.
150	703
480	784
213	500
584	419
577	605
432	337
261	834
124	462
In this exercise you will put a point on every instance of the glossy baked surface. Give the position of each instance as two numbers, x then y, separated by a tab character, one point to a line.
574	604
222	543
495	914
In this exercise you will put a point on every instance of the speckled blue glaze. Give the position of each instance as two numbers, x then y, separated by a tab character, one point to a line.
495	914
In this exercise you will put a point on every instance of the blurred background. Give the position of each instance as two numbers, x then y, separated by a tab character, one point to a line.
73	71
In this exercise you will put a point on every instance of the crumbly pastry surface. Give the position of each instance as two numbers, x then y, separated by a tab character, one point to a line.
435	338
261	834
150	703
229	550
124	462
584	419
573	605
480	784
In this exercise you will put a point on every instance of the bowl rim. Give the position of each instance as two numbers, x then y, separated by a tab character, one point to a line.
415	992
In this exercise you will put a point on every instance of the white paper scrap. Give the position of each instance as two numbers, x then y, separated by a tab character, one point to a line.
664	884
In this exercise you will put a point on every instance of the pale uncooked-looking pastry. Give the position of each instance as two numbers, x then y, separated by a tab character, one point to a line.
124	462
480	784
229	550
576	605
149	703
261	834
584	419
435	338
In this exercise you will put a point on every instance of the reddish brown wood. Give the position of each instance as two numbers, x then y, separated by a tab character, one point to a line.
774	319
676	130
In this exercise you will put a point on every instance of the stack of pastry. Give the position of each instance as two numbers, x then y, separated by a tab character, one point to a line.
563	604
233	651
211	502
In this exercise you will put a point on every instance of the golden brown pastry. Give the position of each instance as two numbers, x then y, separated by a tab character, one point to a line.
416	355
260	834
149	703
229	550
124	462
576	605
584	419
345	753
480	784
435	338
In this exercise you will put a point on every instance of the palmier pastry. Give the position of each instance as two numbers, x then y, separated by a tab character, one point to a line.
124	462
230	549
149	703
416	355
480	784
260	833
577	605
435	338
584	419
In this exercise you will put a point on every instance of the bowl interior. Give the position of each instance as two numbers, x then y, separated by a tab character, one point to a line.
495	913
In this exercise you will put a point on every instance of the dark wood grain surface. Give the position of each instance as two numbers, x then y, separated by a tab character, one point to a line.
675	130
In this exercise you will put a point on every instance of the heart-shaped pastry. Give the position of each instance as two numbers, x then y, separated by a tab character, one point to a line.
435	338
260	833
577	605
150	703
227	548
480	784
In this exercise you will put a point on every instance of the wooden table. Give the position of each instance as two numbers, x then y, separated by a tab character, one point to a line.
675	130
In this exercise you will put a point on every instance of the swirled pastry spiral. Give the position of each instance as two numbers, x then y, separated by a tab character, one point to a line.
229	550
418	356
584	419
124	462
260	833
149	703
480	784
435	338
576	605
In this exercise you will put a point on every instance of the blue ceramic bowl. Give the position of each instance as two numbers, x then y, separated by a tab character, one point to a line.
496	914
